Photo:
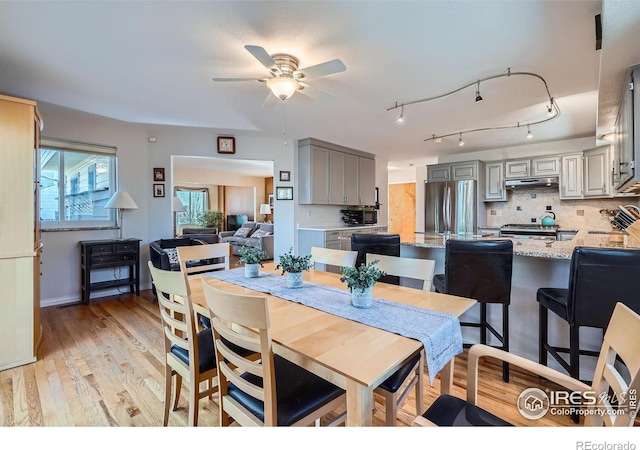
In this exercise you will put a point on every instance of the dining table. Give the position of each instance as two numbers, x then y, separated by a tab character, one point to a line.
350	354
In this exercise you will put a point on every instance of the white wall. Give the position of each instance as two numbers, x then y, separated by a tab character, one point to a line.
136	159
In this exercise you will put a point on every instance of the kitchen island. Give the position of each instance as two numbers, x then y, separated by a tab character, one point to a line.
536	264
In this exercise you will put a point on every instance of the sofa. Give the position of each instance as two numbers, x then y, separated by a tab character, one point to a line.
250	234
208	235
163	252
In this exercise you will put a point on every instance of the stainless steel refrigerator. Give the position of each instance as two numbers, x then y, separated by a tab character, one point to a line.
451	207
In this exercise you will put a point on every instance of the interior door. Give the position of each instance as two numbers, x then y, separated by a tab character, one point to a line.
402	209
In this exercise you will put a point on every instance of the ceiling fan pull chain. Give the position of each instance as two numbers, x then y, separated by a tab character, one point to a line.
284	122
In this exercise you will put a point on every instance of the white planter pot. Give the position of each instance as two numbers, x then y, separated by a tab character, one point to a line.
361	298
251	270
294	279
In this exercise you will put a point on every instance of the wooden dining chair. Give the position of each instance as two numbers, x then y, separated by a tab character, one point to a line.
216	255
273	392
189	354
609	382
333	257
396	388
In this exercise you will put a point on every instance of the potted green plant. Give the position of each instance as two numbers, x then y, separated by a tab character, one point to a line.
252	258
293	266
360	281
211	219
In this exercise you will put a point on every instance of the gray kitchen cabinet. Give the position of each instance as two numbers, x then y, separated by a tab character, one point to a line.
571	170
494	189
366	181
465	171
329	174
597	168
545	166
438	172
517	168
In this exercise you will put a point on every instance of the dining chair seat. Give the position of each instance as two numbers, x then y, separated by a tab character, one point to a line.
298	392
395	381
554	299
450	411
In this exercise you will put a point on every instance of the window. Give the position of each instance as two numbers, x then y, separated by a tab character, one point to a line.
76	181
195	201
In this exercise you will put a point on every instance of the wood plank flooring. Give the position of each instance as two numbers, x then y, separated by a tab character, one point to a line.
102	365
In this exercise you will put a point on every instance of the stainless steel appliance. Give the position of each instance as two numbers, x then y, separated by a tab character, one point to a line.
451	207
355	217
531	182
529	231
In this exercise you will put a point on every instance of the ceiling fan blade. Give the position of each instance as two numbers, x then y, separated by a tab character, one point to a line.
322	69
240	79
265	59
312	92
270	101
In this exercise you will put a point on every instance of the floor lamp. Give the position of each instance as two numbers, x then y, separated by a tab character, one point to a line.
178	207
266	210
121	200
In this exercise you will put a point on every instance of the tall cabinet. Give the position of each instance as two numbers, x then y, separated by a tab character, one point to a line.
20	330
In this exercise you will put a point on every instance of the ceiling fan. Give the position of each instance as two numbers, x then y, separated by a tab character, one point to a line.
286	79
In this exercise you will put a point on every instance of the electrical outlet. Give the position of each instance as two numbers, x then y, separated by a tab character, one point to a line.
548	207
308	213
533	195
499	213
533	220
518	208
492	212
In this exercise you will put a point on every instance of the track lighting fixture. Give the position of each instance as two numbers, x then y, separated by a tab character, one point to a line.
552	108
478	96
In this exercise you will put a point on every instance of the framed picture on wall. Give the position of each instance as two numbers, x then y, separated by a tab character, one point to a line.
284	193
285	175
158	174
271	201
158	190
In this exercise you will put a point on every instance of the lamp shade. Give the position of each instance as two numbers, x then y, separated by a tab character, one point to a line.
265	209
121	200
178	206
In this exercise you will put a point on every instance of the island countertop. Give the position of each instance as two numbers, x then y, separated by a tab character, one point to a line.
536	248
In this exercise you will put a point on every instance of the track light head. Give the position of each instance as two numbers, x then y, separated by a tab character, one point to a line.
549	111
529	134
460	141
401	116
478	96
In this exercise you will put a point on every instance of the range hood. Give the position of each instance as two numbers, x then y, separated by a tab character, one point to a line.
531	183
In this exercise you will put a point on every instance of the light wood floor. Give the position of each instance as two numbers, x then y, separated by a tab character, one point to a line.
102	365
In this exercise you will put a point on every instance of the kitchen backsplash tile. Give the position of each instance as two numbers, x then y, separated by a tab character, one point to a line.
578	214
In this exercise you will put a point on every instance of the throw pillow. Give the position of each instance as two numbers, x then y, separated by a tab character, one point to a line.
259	233
172	253
242	232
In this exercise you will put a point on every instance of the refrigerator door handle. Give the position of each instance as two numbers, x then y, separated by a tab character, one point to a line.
446	208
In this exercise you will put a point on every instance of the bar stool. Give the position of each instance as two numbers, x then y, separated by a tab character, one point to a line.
480	270
598	279
380	244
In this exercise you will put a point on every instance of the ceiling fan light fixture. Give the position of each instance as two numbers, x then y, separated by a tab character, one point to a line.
282	87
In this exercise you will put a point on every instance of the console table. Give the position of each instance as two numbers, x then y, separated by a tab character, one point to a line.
109	253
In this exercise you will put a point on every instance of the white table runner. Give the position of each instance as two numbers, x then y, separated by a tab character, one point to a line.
439	332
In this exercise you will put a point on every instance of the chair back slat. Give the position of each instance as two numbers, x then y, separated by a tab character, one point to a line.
620	342
333	257
191	253
417	269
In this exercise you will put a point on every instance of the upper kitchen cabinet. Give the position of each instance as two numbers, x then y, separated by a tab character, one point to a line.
571	185
494	188
597	167
544	166
329	174
468	170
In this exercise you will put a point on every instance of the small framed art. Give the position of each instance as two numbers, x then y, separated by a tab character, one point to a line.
158	190
271	201
285	175
158	174
284	193
226	144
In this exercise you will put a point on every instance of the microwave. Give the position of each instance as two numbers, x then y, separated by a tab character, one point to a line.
359	217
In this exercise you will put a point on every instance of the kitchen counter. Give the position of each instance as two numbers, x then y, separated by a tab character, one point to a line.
536	248
339	227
